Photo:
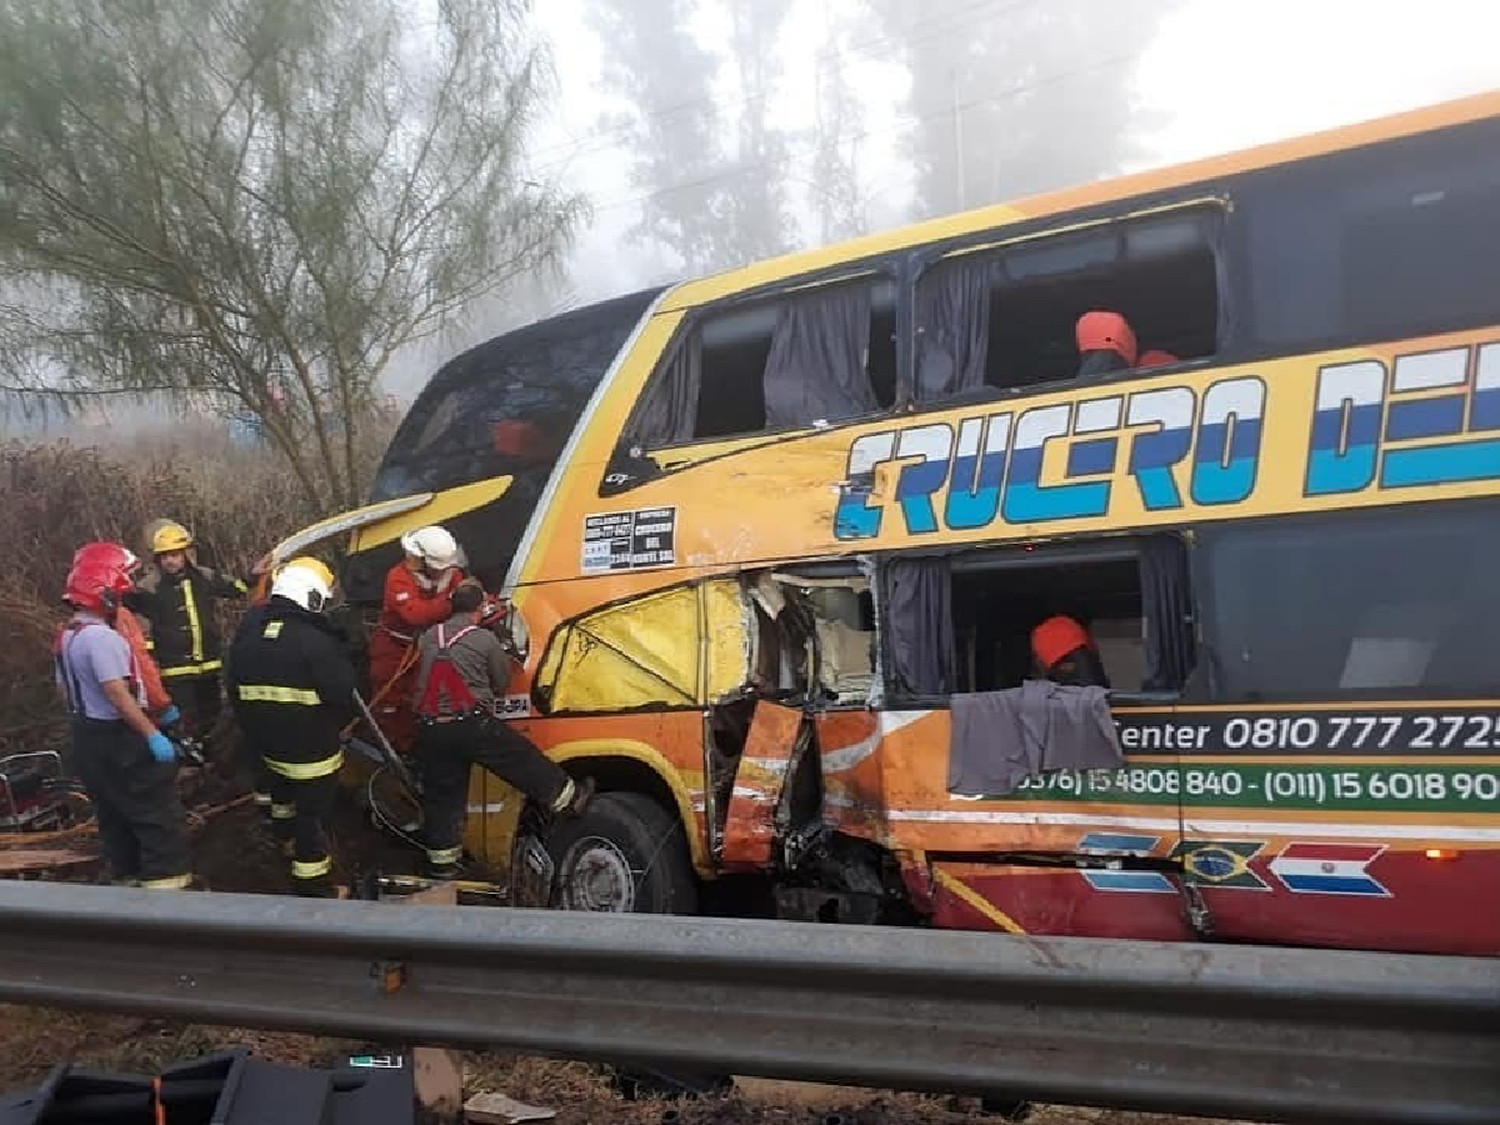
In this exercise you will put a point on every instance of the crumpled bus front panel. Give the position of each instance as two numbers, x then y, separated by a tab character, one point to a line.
681	647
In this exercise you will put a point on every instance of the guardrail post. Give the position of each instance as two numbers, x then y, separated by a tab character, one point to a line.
439	1073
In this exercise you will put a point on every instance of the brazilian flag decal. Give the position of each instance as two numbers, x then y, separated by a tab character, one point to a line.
1221	863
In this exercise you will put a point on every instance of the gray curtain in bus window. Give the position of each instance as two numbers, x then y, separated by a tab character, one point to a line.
918	604
816	369
1001	738
1168	609
668	410
953	323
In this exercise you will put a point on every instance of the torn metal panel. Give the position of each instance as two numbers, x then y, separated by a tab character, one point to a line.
835	634
750	825
728	640
675	648
594	676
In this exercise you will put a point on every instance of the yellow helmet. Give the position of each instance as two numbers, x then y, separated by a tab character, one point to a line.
169	537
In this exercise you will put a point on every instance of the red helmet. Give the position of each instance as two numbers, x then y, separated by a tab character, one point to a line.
101	573
1056	638
1102	330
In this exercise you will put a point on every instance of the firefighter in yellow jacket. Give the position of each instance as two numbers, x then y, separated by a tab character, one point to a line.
177	598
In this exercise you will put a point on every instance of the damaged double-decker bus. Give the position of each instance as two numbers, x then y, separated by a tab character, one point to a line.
776	541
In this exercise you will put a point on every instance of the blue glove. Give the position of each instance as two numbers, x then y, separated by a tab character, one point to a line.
170	717
161	747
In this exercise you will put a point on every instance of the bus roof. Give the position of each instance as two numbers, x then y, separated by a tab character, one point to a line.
702	290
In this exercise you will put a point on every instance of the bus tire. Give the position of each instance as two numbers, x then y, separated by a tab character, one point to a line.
625	854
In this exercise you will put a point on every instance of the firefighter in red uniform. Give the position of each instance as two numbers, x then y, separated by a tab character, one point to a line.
417	593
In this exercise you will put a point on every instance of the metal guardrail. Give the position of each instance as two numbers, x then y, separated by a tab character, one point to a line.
1266	1034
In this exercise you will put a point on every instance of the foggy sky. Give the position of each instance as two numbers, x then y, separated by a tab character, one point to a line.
1218	76
1209	76
1215	76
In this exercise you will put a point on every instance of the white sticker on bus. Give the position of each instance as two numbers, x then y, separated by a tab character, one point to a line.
513	706
629	540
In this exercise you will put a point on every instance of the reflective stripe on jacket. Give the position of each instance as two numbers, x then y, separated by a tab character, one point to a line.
184	632
291	683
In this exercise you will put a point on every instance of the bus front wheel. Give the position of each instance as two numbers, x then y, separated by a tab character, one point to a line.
625	855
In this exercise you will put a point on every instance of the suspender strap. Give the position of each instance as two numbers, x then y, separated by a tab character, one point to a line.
71	685
444	681
449	642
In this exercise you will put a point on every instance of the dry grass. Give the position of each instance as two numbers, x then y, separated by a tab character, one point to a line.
56	496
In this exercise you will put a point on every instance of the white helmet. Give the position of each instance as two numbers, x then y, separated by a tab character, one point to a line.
433	545
305	581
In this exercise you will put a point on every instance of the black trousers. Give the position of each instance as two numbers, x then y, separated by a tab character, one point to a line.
142	823
253	764
301	811
200	700
447	752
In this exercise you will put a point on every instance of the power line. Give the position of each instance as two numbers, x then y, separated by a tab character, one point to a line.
947	111
601	140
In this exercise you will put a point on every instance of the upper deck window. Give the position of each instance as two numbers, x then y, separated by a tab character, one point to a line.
1376	243
509	405
813	356
1009	317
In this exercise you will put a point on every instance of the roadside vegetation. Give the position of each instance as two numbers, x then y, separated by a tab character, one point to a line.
57	495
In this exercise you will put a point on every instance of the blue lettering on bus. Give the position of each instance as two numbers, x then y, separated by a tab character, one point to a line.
1169	412
1165	440
978	472
1027	500
854	517
1428	418
1229	430
1422	421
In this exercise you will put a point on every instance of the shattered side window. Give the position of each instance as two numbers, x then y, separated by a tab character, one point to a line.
507	406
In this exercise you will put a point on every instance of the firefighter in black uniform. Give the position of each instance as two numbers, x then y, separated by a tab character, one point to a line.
177	598
291	684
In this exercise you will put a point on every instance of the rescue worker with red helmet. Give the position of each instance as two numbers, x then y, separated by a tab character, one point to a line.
292	685
463	670
416	596
177	598
1064	652
127	765
158	702
1106	343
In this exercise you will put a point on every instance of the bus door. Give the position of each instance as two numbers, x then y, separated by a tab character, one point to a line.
813	659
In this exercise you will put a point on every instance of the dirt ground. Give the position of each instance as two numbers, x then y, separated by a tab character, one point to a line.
32	1040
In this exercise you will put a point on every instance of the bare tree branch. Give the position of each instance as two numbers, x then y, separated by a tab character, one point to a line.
262	200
